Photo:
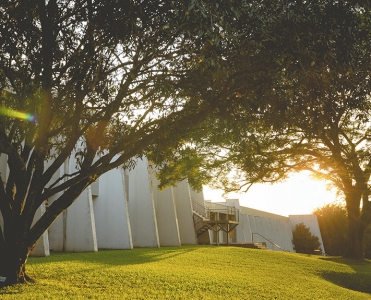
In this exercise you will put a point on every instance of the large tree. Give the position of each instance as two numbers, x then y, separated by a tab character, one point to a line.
114	77
301	102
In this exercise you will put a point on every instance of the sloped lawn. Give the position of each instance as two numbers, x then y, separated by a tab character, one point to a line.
193	272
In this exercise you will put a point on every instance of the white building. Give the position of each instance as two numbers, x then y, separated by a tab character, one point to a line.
124	209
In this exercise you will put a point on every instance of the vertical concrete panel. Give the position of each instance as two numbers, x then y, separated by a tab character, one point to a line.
80	226
143	222
270	233
252	225
56	232
111	212
258	229
42	245
212	237
247	228
167	221
265	233
263	229
4	167
289	236
184	211
243	229
280	234
267	228
223	238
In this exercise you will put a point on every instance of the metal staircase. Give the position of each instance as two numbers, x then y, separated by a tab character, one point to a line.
224	218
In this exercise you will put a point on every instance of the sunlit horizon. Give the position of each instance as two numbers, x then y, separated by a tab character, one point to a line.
300	194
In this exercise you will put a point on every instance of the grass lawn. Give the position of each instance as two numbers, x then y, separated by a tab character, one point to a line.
193	272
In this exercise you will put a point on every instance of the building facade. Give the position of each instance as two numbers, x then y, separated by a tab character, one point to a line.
124	209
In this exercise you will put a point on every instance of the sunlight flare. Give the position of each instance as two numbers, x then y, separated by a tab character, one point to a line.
11	113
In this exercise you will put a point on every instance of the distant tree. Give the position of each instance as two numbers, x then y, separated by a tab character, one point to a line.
333	223
303	240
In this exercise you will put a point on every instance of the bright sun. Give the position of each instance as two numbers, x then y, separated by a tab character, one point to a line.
300	194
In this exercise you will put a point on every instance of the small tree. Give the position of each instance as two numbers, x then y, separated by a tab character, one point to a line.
303	240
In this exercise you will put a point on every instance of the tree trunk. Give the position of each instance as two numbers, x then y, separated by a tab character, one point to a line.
13	265
356	230
355	247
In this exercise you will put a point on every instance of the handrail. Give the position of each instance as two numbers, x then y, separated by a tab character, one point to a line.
197	204
198	221
273	243
228	210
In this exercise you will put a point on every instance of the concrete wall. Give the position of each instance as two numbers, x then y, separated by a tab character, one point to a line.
80	225
259	226
124	209
4	167
111	211
57	231
166	216
141	207
42	246
183	205
79	222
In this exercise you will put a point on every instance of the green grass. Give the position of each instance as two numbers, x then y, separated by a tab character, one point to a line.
199	272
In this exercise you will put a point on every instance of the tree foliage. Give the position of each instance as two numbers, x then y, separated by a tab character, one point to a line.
303	240
105	81
301	102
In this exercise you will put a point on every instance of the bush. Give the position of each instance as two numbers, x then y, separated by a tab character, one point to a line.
303	240
333	223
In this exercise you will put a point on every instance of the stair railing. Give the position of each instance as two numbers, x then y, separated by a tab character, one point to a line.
200	208
270	241
198	221
229	213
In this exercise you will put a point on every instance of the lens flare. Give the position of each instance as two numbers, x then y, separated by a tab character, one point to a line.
11	113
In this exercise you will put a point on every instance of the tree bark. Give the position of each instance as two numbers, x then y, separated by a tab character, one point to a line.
13	265
356	230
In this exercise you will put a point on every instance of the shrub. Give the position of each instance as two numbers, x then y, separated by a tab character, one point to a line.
303	240
333	223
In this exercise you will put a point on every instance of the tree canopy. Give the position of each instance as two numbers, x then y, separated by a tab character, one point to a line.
105	80
265	86
301	102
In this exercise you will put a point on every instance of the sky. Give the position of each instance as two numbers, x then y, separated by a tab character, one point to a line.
299	194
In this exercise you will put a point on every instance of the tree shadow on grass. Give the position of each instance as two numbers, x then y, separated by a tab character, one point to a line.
116	257
359	280
98	260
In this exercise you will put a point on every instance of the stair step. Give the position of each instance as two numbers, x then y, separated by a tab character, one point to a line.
255	245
